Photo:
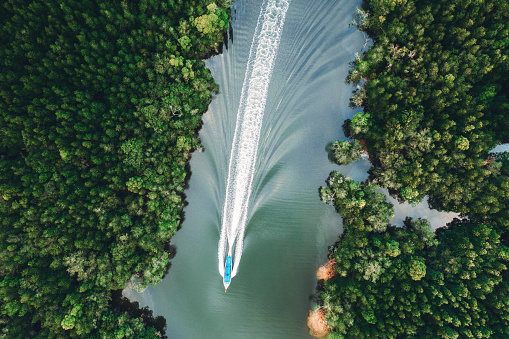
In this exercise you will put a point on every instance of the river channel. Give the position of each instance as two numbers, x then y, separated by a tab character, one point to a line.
288	228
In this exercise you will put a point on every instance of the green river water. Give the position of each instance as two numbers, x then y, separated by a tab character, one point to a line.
288	228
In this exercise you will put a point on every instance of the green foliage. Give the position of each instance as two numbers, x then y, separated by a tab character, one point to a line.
417	270
345	152
360	123
356	201
100	104
433	87
405	282
462	143
122	326
215	20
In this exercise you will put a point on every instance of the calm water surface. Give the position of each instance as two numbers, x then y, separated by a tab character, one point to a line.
289	228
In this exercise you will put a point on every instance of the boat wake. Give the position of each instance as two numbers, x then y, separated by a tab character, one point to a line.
253	97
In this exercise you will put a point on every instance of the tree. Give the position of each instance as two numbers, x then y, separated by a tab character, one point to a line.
345	152
433	89
100	106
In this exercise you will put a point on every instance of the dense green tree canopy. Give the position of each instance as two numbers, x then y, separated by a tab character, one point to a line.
406	282
435	98
434	88
100	104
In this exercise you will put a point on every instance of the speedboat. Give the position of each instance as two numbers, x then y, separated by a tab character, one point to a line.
227	272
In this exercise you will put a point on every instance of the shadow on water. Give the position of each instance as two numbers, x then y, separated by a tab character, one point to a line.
122	304
172	251
183	196
315	298
330	153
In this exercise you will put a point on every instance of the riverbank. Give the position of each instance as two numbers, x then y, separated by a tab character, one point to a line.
101	108
429	126
288	229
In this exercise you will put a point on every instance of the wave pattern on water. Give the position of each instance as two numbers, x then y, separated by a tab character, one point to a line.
253	97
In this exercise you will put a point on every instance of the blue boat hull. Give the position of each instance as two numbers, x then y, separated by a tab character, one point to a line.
227	272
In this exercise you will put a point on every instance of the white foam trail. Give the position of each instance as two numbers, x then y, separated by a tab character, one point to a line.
247	131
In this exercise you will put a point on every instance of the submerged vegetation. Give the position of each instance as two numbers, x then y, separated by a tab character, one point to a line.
435	97
100	104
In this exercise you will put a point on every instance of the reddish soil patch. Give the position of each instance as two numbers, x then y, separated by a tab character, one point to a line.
326	271
316	324
363	142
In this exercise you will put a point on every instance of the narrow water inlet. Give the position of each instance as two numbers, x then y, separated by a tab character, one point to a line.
244	151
